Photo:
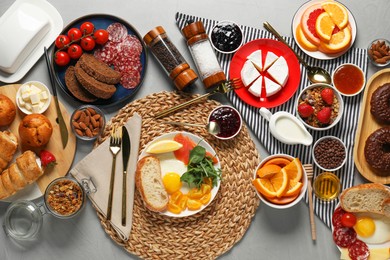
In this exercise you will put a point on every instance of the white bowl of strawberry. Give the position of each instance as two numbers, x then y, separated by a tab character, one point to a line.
319	106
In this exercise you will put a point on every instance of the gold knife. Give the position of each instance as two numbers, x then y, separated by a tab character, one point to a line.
60	119
126	148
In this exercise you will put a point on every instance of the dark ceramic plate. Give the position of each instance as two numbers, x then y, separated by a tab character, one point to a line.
102	21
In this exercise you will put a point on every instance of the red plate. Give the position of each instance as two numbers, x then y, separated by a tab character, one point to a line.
279	49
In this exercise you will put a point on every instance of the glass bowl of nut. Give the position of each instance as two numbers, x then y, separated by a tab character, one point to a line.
379	52
87	122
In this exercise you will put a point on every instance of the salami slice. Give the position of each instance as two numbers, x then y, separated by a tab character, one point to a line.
130	79
336	218
116	32
130	45
108	53
343	236
359	250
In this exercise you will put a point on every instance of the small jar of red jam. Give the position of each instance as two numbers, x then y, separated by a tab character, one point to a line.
229	121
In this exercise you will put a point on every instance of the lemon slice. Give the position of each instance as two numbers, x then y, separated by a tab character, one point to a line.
164	146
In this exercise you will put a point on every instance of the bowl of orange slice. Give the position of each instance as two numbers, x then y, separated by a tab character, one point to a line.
280	181
324	29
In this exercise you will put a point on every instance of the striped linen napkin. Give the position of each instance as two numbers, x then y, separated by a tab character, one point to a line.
345	129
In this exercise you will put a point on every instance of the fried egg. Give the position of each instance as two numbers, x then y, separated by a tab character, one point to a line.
372	229
171	170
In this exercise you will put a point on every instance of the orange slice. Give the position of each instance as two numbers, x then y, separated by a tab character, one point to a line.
303	41
294	170
337	12
338	42
324	26
280	161
280	183
268	170
283	200
264	187
294	187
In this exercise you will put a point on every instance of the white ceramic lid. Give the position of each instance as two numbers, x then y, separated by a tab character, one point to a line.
29	26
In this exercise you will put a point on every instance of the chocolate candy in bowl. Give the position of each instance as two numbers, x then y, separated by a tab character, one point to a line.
87	122
319	106
379	52
226	37
229	121
329	153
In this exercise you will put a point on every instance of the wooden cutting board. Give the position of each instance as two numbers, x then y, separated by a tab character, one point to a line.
64	156
367	125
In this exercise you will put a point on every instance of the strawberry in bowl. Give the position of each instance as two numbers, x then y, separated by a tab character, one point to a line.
319	106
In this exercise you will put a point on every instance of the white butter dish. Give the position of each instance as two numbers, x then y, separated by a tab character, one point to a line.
28	26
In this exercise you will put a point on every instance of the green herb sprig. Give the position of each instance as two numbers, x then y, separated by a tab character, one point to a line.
200	166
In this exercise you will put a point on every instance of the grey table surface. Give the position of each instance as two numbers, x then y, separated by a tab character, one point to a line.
273	234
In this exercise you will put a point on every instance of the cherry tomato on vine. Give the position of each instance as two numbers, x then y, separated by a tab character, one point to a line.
348	220
87	43
61	58
87	28
75	51
101	36
74	34
62	41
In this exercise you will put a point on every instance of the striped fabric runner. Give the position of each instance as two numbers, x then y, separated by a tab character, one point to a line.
345	129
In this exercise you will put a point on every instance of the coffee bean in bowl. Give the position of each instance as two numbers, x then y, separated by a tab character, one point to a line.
87	122
329	153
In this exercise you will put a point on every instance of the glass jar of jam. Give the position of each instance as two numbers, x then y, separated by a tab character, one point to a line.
203	54
170	58
229	121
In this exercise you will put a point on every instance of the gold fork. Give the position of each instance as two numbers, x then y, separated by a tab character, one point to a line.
115	147
223	88
309	172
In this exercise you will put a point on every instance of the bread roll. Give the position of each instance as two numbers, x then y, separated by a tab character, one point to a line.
149	183
7	110
35	130
368	197
8	147
25	170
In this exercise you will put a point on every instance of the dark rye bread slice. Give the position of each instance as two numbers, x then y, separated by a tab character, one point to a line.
75	87
99	70
93	86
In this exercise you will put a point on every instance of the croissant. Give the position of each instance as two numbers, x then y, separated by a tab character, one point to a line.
25	170
8	146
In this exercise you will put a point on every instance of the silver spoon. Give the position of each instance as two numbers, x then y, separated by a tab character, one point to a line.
315	74
212	127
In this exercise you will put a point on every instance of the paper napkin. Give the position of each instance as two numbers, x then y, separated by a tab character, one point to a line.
97	166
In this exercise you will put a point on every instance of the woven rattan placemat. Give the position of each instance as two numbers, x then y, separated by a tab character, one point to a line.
218	227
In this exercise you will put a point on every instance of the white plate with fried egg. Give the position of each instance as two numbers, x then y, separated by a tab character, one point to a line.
169	164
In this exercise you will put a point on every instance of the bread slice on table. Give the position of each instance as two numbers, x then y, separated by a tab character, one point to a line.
149	183
8	146
98	69
75	87
368	197
93	86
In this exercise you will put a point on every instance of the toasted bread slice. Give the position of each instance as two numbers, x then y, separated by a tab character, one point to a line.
93	86
149	183
368	197
98	69
75	87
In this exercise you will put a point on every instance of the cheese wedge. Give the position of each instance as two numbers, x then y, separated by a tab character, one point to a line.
279	71
255	88
271	88
249	73
269	60
256	58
